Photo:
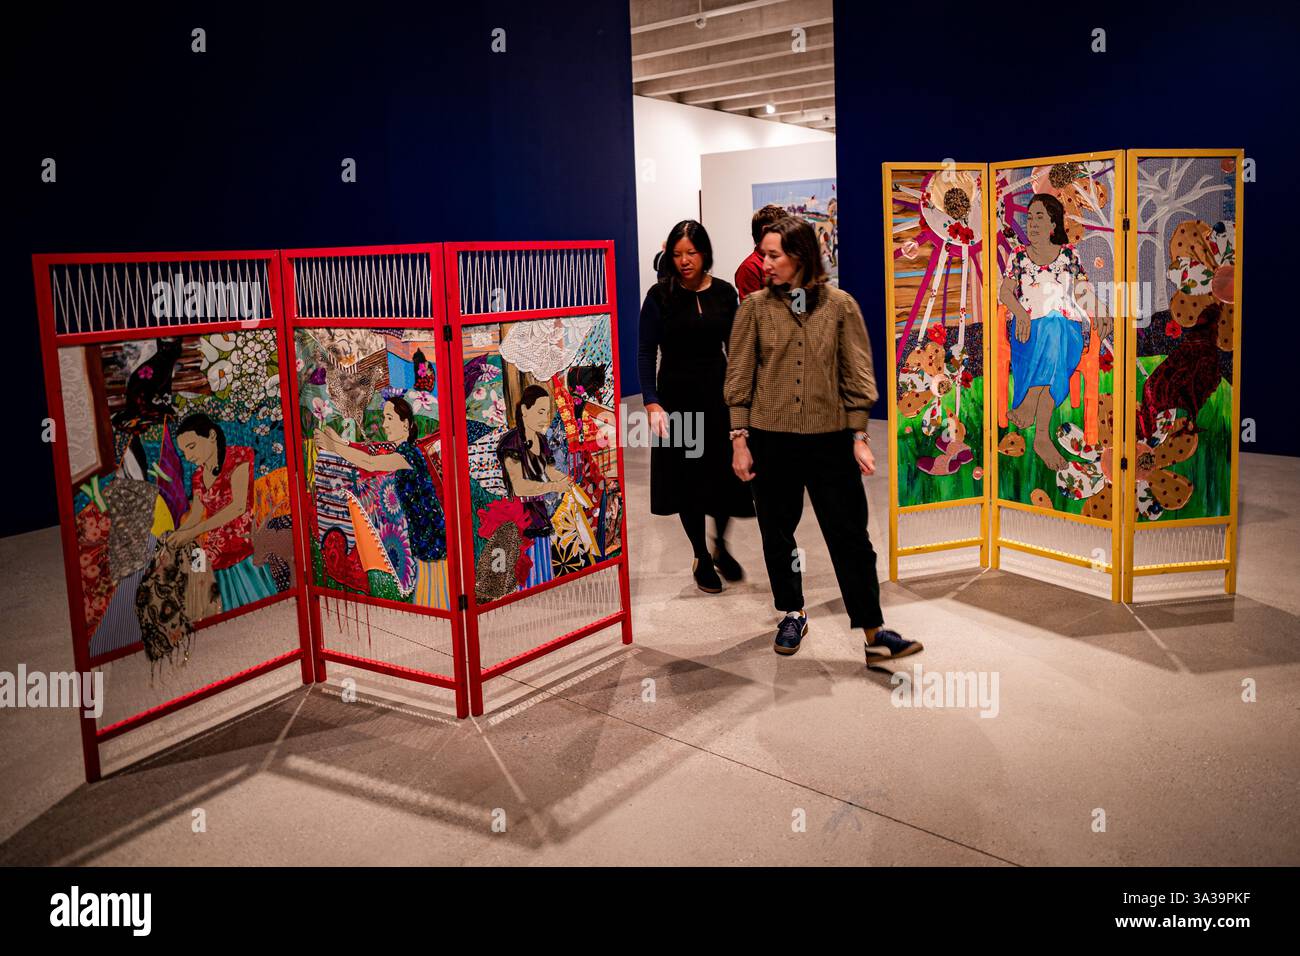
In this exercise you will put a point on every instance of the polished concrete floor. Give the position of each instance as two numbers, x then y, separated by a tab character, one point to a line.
1121	735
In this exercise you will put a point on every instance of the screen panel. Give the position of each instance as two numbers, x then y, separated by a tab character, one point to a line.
175	489
1187	242
1058	368
541	426
1184	401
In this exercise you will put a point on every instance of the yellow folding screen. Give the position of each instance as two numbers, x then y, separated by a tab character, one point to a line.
1054	434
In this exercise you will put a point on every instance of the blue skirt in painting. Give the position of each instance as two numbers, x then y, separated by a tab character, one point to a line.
1049	357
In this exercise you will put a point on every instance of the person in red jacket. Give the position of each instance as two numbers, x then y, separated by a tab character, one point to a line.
749	277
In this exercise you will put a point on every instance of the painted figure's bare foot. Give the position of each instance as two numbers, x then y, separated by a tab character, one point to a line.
1047	451
1022	416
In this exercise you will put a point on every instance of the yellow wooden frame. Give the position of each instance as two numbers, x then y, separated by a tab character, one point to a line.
1119	376
982	542
1227	564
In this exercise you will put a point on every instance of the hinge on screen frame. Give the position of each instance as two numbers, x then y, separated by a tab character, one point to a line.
463	603
446	329
1126	223
1123	464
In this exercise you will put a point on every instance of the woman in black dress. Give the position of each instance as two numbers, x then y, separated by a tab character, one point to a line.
687	318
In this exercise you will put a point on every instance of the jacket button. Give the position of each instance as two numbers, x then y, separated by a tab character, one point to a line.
796	398
796	381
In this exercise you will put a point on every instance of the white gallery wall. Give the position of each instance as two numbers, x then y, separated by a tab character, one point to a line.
728	180
671	140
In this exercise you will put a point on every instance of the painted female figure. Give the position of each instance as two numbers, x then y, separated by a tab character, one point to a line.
529	471
221	510
1050	330
426	523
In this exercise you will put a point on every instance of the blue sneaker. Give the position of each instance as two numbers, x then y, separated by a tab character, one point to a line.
890	645
792	629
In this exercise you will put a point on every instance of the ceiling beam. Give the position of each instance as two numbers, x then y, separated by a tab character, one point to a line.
741	95
780	17
776	96
735	54
810	109
656	14
708	84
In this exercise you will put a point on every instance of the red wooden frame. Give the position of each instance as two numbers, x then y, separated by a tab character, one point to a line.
477	673
450	485
92	735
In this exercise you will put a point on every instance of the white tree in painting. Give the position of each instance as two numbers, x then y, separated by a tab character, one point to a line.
1159	201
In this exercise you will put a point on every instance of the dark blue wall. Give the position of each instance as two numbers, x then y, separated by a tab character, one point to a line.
159	148
1008	81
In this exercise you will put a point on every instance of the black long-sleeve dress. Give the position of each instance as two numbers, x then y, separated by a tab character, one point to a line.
691	330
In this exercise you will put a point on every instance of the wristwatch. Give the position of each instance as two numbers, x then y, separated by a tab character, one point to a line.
862	437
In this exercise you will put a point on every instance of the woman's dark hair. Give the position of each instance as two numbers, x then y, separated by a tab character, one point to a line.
799	242
764	218
1056	213
699	238
203	426
402	409
530	397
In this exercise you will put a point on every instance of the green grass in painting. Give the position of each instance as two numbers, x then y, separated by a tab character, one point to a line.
915	487
1208	469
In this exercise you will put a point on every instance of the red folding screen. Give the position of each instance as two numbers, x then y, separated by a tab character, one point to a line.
428	470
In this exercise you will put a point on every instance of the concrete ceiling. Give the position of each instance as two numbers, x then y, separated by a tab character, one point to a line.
738	57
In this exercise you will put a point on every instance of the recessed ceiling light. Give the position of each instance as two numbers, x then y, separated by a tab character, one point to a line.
769	109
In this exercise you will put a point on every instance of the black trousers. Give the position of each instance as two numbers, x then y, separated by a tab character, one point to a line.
785	464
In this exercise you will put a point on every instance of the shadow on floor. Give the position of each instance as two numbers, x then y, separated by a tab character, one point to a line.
1218	633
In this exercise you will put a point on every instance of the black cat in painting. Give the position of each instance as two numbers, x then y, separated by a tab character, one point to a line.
149	390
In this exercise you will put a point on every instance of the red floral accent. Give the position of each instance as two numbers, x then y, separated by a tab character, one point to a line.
146	372
966	378
498	513
523	566
1105	362
1173	329
937	333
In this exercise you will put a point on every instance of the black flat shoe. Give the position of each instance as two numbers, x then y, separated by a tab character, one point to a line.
706	579
728	566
